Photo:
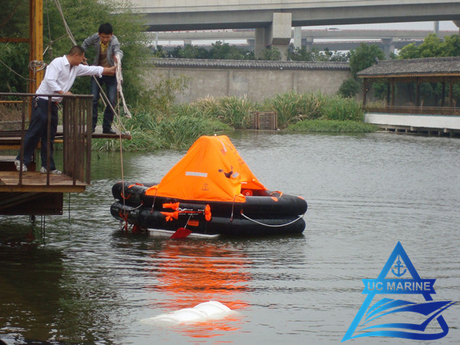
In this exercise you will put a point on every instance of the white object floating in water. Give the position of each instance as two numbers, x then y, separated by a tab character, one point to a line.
201	312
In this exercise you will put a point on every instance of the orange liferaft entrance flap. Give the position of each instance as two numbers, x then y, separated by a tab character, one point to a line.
212	169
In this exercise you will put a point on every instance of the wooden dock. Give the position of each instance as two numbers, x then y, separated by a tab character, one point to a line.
34	181
31	192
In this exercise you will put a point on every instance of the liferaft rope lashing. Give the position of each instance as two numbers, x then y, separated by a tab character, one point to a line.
271	225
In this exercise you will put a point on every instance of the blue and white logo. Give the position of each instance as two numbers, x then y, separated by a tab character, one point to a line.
399	318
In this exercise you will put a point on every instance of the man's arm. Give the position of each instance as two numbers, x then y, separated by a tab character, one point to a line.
109	70
89	41
117	52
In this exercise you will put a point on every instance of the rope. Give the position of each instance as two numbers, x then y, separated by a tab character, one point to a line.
119	76
67	29
271	225
37	66
12	70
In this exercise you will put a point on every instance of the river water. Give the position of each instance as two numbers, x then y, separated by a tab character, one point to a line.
83	281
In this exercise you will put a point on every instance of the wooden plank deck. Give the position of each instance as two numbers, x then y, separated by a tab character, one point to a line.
34	181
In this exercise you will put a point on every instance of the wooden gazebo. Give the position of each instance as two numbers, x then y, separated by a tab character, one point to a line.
444	70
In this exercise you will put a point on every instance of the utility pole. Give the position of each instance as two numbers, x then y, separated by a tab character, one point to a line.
36	42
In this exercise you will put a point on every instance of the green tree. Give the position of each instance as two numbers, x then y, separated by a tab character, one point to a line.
300	54
451	46
221	50
13	19
14	57
189	51
410	51
83	18
349	88
431	46
364	56
271	54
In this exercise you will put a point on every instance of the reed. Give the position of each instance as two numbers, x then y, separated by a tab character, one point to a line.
177	126
292	108
236	111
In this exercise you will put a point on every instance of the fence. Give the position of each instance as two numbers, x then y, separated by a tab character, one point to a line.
416	110
265	120
15	110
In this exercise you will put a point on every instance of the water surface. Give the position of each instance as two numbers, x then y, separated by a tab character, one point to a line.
85	281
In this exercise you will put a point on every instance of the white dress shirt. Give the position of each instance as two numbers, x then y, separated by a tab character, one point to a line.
60	76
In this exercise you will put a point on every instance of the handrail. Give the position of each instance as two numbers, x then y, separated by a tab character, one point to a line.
416	110
76	120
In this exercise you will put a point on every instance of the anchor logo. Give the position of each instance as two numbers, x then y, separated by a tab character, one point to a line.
399	266
374	317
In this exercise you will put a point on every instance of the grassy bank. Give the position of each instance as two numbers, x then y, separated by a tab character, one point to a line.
177	126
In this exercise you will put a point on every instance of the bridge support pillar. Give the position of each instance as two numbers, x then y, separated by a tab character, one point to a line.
259	44
277	35
308	42
388	46
298	37
457	22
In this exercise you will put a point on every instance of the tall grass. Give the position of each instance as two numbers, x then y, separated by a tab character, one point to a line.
292	108
177	126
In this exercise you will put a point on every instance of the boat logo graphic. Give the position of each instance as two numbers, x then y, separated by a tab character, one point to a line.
229	174
397	318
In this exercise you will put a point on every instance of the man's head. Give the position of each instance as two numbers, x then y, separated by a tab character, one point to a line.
76	55
105	33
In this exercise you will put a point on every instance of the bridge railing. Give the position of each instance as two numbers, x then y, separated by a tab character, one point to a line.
75	112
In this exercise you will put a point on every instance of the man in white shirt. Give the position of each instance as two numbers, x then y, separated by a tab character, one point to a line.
59	78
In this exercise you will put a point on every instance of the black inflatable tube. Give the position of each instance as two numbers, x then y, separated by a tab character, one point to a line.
237	226
255	206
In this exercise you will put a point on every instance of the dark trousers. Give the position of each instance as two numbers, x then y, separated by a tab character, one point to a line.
111	87
38	130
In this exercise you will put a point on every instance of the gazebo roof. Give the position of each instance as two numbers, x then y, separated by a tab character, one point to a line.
409	68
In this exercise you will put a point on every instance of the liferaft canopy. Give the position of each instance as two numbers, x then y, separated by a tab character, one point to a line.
212	169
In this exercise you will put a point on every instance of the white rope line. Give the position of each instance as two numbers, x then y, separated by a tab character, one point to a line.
37	66
119	76
271	225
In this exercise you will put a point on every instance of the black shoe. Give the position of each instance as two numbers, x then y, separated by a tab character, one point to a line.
108	131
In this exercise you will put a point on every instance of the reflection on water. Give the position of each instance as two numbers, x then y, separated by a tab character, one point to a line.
188	273
90	283
26	273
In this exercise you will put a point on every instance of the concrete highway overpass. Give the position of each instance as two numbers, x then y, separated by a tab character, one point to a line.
274	19
331	38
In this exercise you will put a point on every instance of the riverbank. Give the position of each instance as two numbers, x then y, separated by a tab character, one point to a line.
166	125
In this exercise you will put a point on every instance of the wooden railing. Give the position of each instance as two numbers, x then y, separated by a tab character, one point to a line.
420	110
76	130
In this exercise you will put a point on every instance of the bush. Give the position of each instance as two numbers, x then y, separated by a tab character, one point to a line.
349	88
